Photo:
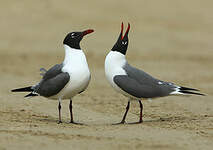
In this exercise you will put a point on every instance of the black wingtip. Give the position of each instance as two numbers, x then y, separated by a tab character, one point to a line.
189	92
25	89
188	89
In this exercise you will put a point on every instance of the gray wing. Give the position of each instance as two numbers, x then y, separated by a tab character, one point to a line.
144	78
53	85
42	71
52	72
135	88
53	81
139	75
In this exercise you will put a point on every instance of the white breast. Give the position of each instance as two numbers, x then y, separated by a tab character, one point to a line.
113	66
75	64
114	63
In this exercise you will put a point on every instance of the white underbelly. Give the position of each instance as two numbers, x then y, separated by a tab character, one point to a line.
114	63
75	64
77	84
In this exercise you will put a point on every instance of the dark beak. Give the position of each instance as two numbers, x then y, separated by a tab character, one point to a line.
87	32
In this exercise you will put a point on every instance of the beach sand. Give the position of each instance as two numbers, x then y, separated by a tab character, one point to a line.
171	40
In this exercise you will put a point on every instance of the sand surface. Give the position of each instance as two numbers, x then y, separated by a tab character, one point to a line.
172	40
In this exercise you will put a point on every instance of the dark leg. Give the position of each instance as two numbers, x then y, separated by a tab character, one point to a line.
124	117
59	111
71	115
127	109
141	112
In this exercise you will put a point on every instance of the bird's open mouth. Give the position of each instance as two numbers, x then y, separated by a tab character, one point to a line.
127	30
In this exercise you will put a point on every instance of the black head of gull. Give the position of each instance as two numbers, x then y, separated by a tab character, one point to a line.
122	43
73	39
135	83
64	81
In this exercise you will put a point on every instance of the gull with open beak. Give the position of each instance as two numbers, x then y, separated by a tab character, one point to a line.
134	83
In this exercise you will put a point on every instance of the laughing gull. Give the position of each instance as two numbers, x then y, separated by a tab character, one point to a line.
65	80
134	83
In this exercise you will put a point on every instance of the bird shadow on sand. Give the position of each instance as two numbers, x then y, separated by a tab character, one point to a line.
159	120
145	121
55	120
94	123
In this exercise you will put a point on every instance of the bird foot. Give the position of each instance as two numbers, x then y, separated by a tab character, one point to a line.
77	123
59	122
122	122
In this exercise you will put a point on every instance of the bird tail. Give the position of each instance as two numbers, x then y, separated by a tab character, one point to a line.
32	94
187	91
26	89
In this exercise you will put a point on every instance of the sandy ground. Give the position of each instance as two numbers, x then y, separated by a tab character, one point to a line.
172	40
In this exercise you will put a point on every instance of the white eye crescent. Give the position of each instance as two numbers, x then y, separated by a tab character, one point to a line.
73	35
124	43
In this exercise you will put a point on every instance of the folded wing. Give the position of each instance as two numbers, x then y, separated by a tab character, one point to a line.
136	89
53	81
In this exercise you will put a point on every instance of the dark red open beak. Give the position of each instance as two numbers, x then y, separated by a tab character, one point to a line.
87	32
127	30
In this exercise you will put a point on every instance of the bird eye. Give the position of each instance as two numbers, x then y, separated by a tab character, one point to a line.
73	35
124	43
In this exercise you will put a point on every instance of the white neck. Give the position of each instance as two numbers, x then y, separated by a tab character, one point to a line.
71	53
114	64
115	59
